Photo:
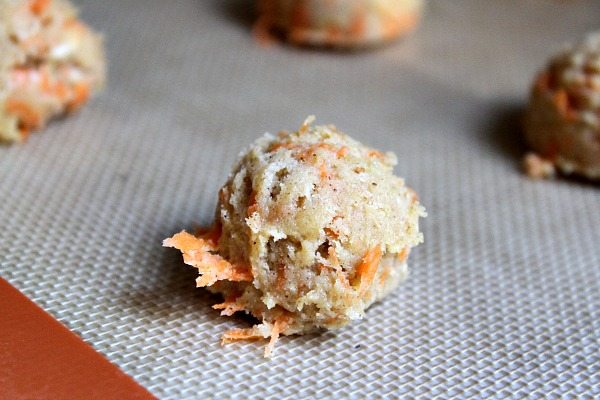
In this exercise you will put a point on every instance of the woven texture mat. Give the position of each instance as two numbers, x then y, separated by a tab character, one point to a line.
503	297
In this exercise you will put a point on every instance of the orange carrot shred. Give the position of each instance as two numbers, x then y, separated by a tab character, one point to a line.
229	307
252	205
28	116
342	152
212	267
561	100
279	326
375	153
367	268
38	6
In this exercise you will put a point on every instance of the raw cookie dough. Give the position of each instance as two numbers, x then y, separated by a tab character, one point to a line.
562	123
311	228
50	64
339	23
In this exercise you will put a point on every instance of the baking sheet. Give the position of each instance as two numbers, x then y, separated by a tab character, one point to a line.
503	295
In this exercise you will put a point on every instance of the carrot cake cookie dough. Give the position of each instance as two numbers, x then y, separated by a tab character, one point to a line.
50	64
339	23
562	123
311	228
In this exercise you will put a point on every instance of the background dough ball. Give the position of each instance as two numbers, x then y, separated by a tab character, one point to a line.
50	64
562	123
340	23
312	227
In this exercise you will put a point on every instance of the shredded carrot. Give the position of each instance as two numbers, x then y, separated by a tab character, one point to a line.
39	6
281	278
403	255
413	195
375	153
367	268
235	334
252	205
276	146
331	233
45	84
342	152
28	116
261	331
81	93
323	172
279	326
229	307
197	252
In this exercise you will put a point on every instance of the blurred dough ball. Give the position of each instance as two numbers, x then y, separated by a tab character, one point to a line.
50	64
340	23
562	123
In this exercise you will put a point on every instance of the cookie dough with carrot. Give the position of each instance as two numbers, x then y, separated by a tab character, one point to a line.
311	228
50	64
562	123
338	23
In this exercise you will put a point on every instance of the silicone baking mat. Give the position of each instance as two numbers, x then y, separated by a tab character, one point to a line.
503	298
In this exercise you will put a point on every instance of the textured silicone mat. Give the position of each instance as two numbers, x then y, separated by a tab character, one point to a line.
503	297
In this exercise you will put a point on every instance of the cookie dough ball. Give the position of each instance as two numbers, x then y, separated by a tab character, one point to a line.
562	123
340	23
311	228
50	64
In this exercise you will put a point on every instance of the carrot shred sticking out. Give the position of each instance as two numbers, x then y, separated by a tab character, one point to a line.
323	171
261	331
367	268
279	326
306	124
229	307
403	255
197	252
235	334
561	100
